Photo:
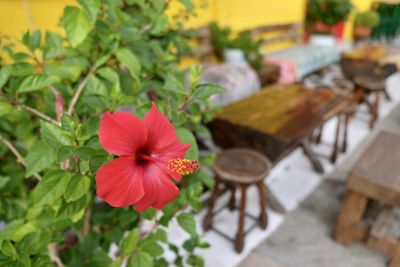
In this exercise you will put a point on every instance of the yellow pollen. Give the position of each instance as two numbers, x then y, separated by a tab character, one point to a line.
183	166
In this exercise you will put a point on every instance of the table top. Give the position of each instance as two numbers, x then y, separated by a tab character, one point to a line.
278	116
377	172
377	53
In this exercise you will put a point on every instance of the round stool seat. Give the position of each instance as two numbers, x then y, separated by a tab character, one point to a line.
370	83
242	165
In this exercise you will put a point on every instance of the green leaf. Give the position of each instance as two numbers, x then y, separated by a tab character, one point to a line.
40	156
68	123
160	25
4	180
68	210
77	24
22	69
35	39
142	259
92	7
130	242
54	136
5	73
77	187
152	248
84	153
204	91
8	249
172	84
187	222
64	152
5	107
111	76
64	71
35	82
126	57
34	243
51	187
186	137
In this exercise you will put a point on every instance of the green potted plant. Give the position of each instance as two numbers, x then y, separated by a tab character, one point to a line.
364	22
236	50
327	16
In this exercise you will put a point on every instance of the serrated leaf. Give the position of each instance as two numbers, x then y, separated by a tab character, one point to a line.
77	24
64	71
34	243
127	58
35	82
152	248
70	209
130	242
186	137
64	152
21	69
51	187
54	135
39	157
141	259
92	7
187	3
204	91
8	249
160	24
84	153
77	187
5	107
172	84
187	222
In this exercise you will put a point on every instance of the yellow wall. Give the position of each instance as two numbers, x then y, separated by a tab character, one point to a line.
239	14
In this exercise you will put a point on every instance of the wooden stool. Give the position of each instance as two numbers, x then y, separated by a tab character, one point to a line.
239	167
366	86
376	176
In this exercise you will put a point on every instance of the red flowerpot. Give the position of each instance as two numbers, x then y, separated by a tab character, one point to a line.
338	29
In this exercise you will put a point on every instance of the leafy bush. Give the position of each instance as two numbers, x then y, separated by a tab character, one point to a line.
369	19
221	39
329	12
117	55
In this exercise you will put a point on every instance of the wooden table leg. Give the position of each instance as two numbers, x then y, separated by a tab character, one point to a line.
263	219
207	222
239	241
305	144
375	110
395	261
336	143
348	226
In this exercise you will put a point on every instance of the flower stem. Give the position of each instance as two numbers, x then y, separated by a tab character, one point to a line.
20	159
79	91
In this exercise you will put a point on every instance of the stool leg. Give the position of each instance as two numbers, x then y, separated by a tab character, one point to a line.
232	200
207	222
335	144
263	220
239	241
395	261
347	117
387	95
348	226
374	110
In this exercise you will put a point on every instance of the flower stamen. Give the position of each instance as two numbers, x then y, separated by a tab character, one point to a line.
183	166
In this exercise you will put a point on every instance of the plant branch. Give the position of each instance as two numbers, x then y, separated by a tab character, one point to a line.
35	112
79	91
54	255
20	159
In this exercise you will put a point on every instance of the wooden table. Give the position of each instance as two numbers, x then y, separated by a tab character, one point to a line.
382	54
278	119
375	176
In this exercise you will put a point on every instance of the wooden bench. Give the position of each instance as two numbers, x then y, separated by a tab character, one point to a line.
375	176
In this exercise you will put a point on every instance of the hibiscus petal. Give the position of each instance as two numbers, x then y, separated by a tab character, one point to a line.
160	132
121	133
159	189
119	182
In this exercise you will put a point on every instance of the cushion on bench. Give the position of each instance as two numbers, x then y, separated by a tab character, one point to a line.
239	82
298	61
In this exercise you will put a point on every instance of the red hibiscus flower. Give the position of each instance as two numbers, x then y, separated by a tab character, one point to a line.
150	156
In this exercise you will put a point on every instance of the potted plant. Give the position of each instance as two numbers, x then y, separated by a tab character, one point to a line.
240	50
327	17
364	22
